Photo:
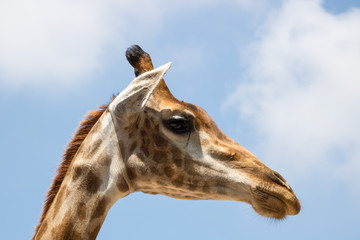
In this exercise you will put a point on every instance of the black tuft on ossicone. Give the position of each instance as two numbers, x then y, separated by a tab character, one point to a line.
133	54
139	59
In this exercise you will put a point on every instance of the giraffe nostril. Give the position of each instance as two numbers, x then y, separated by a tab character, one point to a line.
278	179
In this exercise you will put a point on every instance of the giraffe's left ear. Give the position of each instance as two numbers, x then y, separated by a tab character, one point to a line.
135	96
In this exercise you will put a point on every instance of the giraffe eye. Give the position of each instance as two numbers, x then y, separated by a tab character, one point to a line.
178	124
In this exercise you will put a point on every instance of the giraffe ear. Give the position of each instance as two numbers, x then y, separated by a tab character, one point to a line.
135	96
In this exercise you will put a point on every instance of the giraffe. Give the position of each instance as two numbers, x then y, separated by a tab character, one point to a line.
146	140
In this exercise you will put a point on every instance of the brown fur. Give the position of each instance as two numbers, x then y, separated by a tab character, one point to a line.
84	128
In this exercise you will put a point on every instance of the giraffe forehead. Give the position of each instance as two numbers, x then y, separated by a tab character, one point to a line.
171	106
203	122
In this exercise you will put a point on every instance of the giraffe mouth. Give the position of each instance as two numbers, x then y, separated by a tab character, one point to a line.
275	203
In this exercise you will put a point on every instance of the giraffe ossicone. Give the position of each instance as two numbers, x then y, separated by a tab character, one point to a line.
147	140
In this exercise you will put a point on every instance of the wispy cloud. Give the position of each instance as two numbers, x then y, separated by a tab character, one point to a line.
301	90
50	41
63	42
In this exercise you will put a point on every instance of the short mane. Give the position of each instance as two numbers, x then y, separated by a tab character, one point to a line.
82	131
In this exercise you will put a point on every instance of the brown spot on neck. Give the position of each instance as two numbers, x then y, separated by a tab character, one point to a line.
92	182
78	171
104	159
100	209
81	211
94	148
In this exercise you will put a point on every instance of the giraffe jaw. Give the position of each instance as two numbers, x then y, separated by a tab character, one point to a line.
272	201
276	203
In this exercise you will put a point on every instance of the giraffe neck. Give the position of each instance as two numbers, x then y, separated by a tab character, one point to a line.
94	181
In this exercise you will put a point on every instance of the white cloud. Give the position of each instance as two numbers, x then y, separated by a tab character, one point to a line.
301	90
50	40
62	42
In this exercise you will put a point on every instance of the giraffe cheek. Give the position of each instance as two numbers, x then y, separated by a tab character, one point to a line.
160	156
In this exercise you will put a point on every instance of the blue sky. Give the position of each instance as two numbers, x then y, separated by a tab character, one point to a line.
279	77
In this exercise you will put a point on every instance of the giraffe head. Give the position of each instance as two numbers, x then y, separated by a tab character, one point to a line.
174	148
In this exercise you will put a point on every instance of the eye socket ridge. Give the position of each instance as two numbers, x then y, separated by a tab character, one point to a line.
179	124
